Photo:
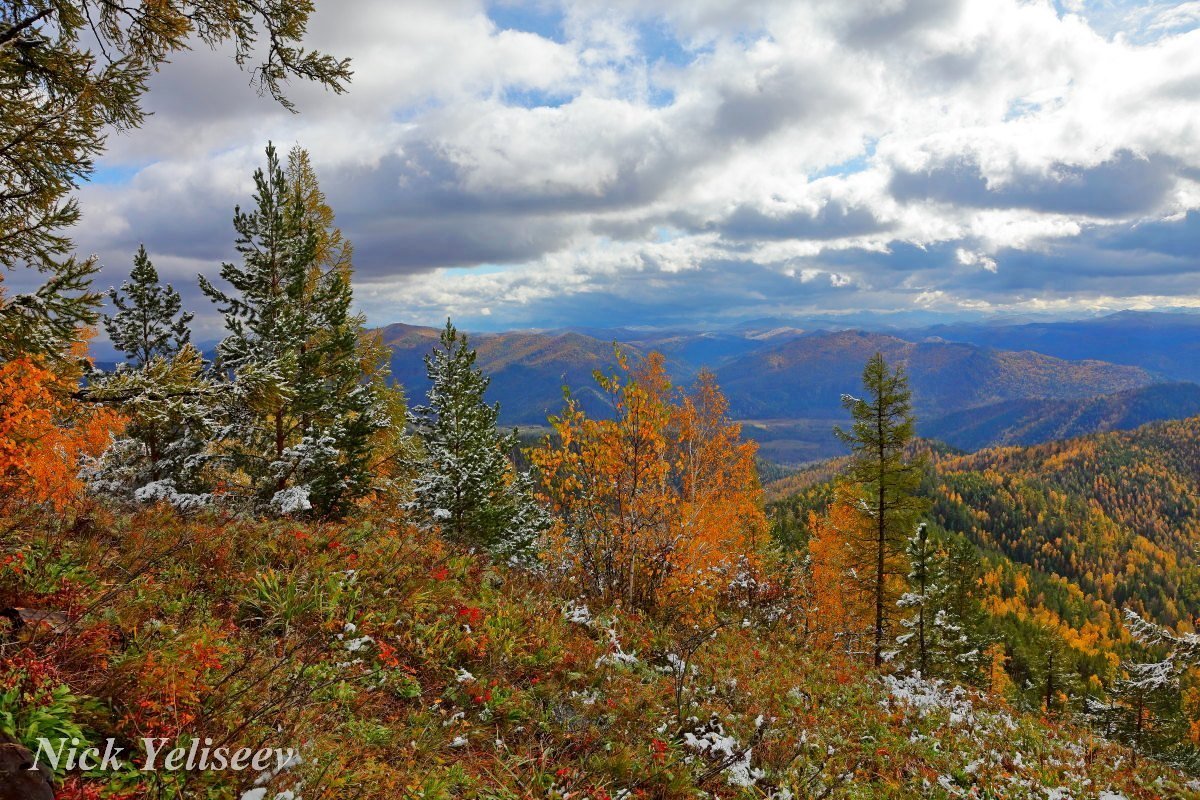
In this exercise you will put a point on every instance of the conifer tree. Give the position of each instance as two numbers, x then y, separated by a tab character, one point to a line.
342	394
162	389
943	634
1042	664
467	486
1144	704
72	71
965	640
925	588
885	483
303	415
149	322
162	455
1145	708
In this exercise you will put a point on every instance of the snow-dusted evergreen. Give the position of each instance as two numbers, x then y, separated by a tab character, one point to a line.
149	321
1144	701
163	390
940	630
301	414
161	456
467	486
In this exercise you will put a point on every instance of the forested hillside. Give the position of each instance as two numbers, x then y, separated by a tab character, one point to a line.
1074	535
268	546
786	384
1118	513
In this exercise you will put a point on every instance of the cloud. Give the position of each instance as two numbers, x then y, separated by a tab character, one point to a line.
1121	186
647	162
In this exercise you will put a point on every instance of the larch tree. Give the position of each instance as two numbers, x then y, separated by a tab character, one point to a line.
71	71
301	414
342	393
467	486
658	506
885	483
843	615
44	433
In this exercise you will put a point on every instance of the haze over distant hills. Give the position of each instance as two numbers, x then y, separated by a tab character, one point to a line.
1165	344
974	385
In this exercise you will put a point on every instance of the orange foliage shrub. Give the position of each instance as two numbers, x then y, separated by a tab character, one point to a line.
43	434
660	506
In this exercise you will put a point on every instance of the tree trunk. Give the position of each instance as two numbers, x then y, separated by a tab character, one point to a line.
281	483
881	542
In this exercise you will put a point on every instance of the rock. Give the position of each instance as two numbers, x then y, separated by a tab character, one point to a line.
17	780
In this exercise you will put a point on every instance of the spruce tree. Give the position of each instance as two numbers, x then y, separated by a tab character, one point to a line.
149	322
163	452
885	482
467	486
162	389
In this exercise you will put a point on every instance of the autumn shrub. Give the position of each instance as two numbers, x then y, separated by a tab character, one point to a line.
36	703
44	433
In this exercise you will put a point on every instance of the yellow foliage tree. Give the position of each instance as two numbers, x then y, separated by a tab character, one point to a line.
660	506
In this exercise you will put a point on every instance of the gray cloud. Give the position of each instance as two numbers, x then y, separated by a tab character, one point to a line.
1013	154
834	220
1123	185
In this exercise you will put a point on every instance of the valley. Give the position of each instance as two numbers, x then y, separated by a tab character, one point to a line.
973	386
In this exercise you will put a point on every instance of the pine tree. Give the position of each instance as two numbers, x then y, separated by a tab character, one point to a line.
962	621
342	394
1143	705
943	635
303	415
1042	664
467	486
886	485
71	72
149	322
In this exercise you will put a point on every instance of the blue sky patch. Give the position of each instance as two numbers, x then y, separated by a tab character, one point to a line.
544	19
115	174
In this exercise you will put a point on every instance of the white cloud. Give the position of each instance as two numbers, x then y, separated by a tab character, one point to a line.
907	150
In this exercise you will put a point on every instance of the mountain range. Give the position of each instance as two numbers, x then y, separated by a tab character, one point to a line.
973	385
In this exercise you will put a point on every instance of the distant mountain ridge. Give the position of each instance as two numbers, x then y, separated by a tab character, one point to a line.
1027	422
787	383
807	376
1166	344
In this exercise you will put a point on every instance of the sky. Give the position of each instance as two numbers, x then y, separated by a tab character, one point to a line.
660	163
